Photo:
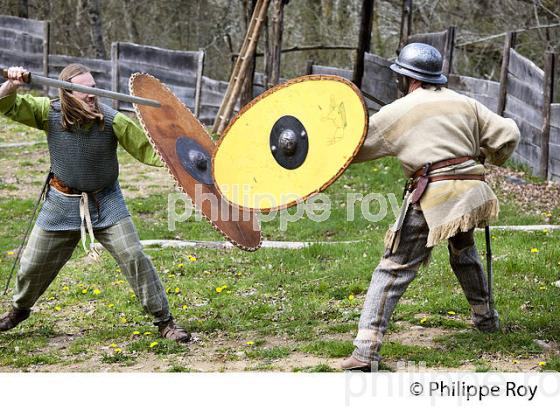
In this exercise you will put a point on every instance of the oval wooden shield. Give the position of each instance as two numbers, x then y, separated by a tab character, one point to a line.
292	141
186	149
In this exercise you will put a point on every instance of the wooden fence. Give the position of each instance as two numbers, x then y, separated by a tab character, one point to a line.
24	42
524	92
524	103
181	71
484	91
378	81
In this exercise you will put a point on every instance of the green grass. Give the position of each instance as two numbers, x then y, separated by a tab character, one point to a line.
553	364
306	297
328	348
269	353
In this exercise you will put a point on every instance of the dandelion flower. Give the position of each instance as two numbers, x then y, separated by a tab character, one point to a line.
10	253
184	307
84	291
250	343
136	333
351	297
147	333
153	344
66	288
118	350
57	308
123	320
111	305
219	290
96	292
515	361
541	364
181	265
452	313
177	290
423	320
534	250
192	258
113	345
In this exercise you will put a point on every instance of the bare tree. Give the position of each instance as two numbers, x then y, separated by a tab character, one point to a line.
94	16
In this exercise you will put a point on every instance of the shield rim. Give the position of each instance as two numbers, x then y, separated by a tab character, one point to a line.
311	77
174	178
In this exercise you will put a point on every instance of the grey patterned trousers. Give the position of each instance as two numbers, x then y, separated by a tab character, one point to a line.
48	251
395	272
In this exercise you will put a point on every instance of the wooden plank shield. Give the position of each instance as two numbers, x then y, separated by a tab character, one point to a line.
291	142
186	150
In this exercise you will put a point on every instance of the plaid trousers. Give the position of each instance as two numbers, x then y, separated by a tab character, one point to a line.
48	251
395	272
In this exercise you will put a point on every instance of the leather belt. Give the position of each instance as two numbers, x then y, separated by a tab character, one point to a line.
422	179
442	164
65	189
62	187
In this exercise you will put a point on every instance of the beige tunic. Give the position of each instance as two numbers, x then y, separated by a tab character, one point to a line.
430	125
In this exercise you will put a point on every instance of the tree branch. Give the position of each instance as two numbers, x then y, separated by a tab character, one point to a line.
306	48
521	30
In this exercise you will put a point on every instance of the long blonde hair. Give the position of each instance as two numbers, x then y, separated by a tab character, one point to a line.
74	111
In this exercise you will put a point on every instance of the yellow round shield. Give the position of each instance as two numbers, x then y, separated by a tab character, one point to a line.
290	142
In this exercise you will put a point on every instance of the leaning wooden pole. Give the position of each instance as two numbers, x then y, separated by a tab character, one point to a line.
241	65
364	41
246	93
235	74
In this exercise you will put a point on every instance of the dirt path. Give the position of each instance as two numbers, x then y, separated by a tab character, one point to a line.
220	354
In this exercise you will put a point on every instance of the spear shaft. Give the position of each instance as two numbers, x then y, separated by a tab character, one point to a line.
67	85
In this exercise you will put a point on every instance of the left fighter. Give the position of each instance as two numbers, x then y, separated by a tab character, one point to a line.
83	195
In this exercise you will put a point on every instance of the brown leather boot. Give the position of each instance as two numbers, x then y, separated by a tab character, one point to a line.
13	318
170	330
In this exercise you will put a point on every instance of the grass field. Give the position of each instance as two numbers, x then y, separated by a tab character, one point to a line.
277	310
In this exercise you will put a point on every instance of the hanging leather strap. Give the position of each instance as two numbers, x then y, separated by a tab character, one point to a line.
422	178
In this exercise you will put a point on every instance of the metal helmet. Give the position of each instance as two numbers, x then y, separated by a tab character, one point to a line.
420	61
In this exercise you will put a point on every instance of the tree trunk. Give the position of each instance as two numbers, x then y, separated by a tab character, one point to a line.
23	9
94	15
277	26
129	20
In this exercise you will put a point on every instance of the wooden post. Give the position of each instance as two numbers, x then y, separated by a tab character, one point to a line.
46	50
198	86
548	91
309	67
406	23
508	45
449	47
277	27
115	71
364	41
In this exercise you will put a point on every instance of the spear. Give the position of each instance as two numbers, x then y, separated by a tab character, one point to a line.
49	82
